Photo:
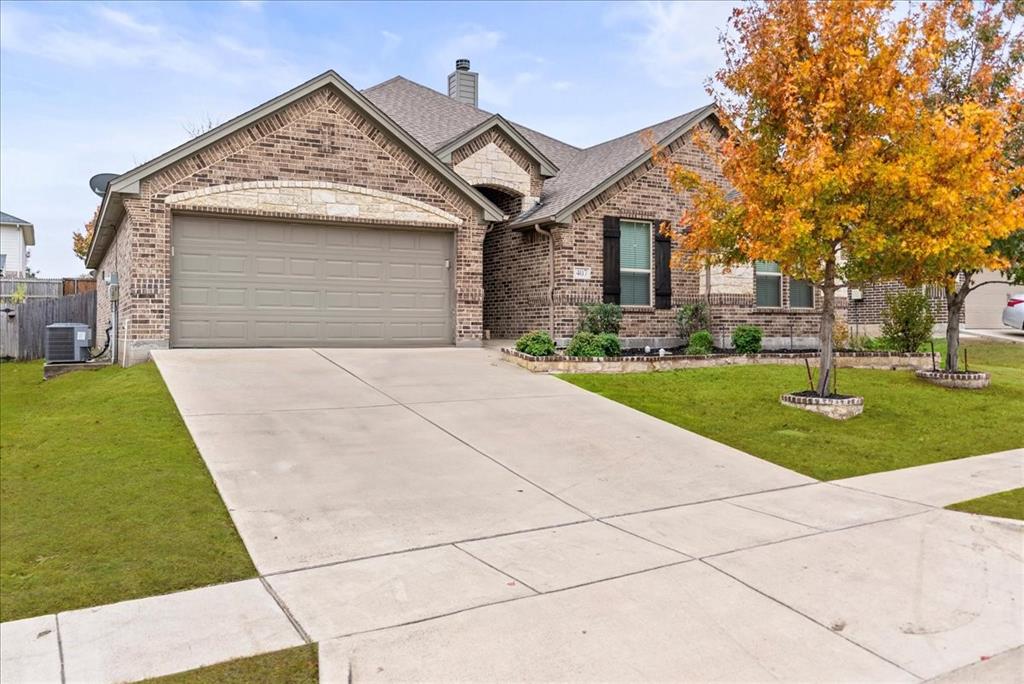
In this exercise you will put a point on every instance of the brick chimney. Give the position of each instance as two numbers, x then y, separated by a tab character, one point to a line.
462	83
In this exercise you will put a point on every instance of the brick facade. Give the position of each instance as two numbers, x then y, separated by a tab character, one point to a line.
516	269
865	314
320	137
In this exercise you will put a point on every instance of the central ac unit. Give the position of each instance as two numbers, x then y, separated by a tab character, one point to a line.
68	342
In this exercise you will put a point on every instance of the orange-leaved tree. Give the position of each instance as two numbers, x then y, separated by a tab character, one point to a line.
823	102
967	180
80	242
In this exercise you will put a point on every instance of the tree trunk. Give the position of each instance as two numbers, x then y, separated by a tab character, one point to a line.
954	306
828	319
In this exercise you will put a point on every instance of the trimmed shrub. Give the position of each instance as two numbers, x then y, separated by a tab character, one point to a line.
746	339
691	318
609	344
601	318
907	321
587	344
536	343
701	344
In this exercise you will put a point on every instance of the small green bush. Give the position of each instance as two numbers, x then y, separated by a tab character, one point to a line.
587	344
746	339
609	344
691	318
865	343
536	343
601	318
701	344
907	321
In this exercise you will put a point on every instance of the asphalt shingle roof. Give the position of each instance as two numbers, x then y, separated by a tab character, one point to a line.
7	218
433	118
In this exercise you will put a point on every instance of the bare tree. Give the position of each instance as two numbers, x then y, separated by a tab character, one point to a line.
197	128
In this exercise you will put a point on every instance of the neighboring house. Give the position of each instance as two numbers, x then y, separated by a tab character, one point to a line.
402	216
16	236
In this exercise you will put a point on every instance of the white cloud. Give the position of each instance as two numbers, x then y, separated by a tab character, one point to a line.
561	86
123	40
469	42
503	92
670	40
125	21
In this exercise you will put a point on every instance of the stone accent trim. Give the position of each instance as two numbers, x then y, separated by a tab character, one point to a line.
834	408
961	380
317	199
490	166
644	364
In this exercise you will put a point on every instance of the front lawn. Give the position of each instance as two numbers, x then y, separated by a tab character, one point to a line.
292	666
104	496
906	421
1008	504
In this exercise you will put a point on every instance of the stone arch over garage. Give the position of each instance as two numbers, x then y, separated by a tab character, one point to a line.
318	199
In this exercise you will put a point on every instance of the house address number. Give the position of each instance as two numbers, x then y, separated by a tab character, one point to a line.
581	273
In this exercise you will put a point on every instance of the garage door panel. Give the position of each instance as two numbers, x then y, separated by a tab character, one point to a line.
299	285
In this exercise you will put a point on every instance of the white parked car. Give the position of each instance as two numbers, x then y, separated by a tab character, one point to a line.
1013	314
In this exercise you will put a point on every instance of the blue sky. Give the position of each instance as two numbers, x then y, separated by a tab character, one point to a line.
94	87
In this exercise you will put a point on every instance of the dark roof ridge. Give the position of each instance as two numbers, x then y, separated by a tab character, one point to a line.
648	127
464	105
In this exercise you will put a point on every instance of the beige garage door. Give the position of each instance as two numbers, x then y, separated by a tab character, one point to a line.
260	284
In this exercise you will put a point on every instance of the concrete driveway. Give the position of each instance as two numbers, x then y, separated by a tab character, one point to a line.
331	455
440	515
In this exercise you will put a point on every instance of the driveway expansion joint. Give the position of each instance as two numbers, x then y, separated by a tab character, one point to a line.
60	647
456	437
808	617
284	609
495	568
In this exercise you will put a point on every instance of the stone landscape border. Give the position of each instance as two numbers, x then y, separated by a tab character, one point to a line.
642	364
837	408
960	380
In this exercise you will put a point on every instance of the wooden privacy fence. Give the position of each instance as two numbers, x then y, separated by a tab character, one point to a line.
35	288
23	327
78	285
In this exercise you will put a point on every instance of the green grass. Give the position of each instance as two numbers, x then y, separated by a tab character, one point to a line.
105	497
292	666
906	421
1008	504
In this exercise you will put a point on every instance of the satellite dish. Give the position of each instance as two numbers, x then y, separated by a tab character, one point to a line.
100	181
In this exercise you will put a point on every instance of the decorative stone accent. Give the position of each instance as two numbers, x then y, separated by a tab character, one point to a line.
831	407
313	198
735	280
646	364
961	380
490	165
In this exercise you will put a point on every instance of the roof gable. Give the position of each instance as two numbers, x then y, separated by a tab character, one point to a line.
582	173
498	122
129	182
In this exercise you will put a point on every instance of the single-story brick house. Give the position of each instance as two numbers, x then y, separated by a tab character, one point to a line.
399	215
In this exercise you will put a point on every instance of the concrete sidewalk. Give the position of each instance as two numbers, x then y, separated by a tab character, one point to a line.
510	526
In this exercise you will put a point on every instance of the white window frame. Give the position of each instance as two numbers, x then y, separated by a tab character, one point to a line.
761	274
650	260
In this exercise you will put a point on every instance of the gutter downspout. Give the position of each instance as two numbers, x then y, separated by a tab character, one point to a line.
551	276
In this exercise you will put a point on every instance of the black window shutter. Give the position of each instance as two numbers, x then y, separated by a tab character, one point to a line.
662	268
612	286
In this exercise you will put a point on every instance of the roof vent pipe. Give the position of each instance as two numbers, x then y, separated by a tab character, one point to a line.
462	83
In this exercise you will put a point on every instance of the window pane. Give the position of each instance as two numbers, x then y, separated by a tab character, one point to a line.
766	267
634	245
801	294
636	288
769	290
